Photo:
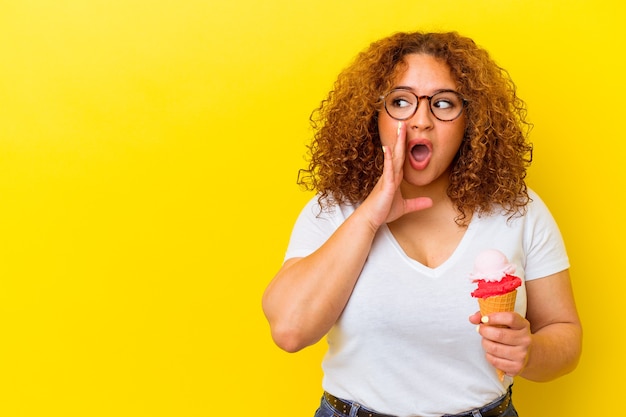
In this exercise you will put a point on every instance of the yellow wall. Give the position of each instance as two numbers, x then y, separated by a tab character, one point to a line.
148	157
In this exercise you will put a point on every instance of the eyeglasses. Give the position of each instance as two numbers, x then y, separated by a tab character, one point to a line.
445	105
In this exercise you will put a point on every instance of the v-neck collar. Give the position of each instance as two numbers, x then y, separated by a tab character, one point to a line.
438	270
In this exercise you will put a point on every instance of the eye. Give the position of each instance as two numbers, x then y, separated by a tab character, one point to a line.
443	104
400	100
446	101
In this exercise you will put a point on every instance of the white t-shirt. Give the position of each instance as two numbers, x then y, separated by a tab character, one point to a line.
404	345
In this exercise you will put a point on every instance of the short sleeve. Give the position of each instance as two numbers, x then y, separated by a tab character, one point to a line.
314	226
545	249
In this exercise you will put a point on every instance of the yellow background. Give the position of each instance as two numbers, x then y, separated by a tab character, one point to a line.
148	158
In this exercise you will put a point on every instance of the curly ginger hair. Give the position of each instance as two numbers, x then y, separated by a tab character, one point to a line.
489	169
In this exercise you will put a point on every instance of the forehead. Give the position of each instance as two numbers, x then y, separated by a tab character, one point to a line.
424	72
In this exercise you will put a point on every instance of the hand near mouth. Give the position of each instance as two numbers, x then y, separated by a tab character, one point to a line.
386	203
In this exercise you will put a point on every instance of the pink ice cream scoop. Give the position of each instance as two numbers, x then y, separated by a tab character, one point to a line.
494	274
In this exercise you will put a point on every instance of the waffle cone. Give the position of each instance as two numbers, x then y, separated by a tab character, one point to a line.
497	304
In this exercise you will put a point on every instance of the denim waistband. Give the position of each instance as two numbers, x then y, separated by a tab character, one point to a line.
496	408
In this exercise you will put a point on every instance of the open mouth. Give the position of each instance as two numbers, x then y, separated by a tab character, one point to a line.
420	152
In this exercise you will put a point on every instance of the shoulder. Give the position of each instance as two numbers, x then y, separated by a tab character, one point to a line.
537	209
327	208
535	199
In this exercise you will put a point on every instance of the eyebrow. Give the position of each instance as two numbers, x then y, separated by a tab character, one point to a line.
407	88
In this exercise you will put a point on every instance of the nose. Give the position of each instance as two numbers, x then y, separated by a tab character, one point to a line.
423	118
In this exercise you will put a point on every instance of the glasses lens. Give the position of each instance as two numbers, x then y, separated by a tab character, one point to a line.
401	104
446	105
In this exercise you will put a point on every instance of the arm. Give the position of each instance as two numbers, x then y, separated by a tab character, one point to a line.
555	326
544	346
307	295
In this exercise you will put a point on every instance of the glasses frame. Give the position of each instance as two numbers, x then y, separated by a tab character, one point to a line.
429	98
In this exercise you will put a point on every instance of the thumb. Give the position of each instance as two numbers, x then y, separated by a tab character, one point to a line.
416	204
475	318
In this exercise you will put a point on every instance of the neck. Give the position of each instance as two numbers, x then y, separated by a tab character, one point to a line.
436	190
442	208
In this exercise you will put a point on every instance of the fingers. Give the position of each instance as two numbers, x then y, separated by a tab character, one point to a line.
416	204
394	153
510	360
386	203
506	340
379	202
400	144
504	328
475	318
505	365
387	162
396	150
393	162
508	319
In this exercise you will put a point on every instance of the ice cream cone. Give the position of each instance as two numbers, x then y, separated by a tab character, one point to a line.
496	304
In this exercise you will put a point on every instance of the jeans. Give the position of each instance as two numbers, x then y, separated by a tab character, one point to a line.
326	410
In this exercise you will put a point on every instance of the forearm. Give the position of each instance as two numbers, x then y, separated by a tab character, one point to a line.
555	351
556	330
308	295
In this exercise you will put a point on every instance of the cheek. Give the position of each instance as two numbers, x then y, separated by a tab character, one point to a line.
456	133
387	128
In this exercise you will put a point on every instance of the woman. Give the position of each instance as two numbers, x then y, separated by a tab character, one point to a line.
419	160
